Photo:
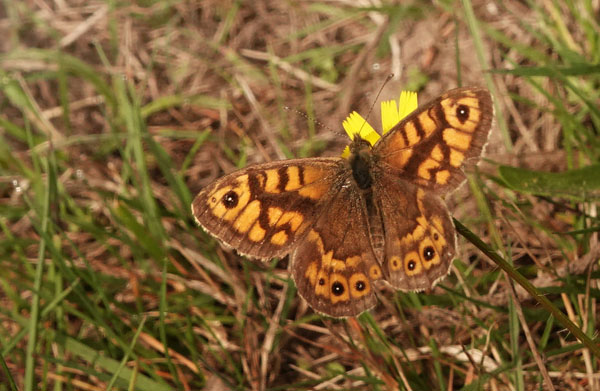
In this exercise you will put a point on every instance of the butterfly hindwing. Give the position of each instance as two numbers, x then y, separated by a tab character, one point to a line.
420	240
334	267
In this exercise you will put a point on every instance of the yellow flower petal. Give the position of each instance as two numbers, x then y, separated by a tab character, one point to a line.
346	152
389	115
352	124
407	103
355	124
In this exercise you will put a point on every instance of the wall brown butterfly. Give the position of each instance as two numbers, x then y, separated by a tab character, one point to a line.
349	222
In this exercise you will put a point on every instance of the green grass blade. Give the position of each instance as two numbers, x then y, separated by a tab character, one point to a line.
96	358
119	370
578	185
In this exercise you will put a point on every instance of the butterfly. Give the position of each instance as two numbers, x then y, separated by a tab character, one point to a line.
348	223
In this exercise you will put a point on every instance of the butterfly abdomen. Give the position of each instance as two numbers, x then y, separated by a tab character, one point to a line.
375	225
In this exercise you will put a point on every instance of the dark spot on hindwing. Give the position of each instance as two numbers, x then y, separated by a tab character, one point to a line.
462	113
321	281
230	199
337	288
411	265
428	253
360	286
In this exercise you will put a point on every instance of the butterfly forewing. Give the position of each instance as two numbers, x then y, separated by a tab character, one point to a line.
263	210
431	146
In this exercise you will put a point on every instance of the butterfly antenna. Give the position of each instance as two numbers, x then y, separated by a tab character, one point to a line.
308	117
387	80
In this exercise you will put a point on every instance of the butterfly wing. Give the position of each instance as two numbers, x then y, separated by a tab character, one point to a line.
422	158
308	207
263	210
420	240
334	266
431	145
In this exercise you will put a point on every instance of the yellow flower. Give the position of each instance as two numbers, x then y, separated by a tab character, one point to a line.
390	115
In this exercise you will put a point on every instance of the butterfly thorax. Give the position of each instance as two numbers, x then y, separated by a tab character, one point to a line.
361	162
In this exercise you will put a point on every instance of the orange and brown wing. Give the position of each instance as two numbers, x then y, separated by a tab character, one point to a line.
420	239
262	210
431	145
334	266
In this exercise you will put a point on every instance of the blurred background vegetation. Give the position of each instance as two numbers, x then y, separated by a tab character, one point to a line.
114	114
